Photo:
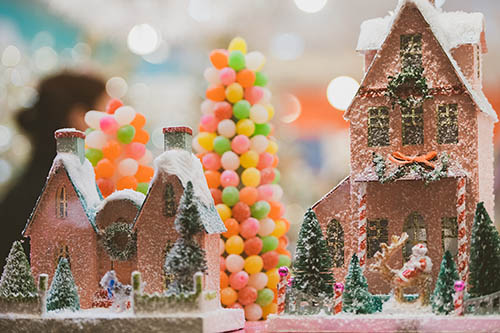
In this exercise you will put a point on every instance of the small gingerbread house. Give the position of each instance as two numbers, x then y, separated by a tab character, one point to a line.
421	140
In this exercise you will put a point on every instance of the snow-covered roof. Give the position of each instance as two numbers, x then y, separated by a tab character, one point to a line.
137	198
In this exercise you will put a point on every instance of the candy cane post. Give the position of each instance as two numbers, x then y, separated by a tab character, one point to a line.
362	225
283	272
462	230
339	290
458	297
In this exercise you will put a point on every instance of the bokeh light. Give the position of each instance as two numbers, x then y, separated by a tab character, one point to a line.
310	6
11	56
287	46
341	91
142	39
290	108
116	87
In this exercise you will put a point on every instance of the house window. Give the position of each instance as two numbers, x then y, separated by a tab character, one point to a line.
447	116
412	125
377	234
411	50
335	241
478	62
62	251
168	277
415	228
61	203
449	235
378	126
170	207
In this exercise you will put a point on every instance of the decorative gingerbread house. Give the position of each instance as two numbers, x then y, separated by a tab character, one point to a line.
421	140
125	232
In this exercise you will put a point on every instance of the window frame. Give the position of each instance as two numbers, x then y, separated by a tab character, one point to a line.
378	126
336	246
410	50
377	232
447	124
449	223
169	204
62	202
418	222
412	134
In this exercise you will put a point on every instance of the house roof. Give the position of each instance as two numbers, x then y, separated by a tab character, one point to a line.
137	198
331	192
450	30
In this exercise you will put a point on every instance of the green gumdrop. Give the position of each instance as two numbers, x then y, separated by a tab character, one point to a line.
221	145
269	243
262	129
230	196
260	209
236	60
260	79
264	297
93	155
284	260
126	134
89	130
143	188
241	109
277	176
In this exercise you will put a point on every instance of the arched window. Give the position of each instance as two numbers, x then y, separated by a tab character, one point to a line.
335	241
170	207
61	203
62	251
376	234
415	228
449	235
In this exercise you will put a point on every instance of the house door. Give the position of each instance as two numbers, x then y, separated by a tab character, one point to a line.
415	228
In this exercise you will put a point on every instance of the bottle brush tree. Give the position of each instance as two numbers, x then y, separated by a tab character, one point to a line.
442	297
185	258
17	283
63	294
357	299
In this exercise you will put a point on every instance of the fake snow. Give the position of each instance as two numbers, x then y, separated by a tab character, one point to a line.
136	197
394	307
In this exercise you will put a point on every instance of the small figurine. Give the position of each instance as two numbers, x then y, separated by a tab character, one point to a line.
118	293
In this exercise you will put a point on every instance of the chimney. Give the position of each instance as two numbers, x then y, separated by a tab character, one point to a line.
433	2
70	140
177	137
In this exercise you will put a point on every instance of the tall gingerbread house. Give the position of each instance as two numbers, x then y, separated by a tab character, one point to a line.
420	137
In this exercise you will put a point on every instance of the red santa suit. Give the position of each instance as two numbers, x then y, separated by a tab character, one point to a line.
417	264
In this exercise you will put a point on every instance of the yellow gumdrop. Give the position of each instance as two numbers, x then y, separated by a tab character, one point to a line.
250	159
272	278
245	127
272	147
206	140
238	43
234	245
250	177
234	92
270	111
253	264
279	229
269	309
224	211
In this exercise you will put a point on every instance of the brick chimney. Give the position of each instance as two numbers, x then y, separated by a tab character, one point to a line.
177	137
70	140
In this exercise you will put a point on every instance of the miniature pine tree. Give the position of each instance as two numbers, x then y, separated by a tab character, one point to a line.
484	255
186	257
313	263
17	282
442	297
62	293
357	299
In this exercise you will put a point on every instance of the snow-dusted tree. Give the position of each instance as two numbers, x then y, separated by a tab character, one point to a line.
63	293
484	255
17	282
442	297
356	297
313	263
185	258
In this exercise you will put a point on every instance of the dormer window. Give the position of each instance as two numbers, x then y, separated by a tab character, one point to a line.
378	126
447	118
412	125
411	50
170	207
61	203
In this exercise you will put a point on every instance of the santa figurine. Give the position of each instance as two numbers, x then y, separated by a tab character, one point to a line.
419	263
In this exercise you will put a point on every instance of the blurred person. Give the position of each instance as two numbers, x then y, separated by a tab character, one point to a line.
62	102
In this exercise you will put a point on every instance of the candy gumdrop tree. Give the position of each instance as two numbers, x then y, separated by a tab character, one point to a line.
63	294
116	147
442	297
238	153
17	283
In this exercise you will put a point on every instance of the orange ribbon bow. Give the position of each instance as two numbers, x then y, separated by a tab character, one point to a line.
402	159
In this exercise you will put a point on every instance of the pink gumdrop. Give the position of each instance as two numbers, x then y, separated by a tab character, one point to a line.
238	280
108	124
265	192
249	228
227	75
222	247
234	263
253	312
216	195
209	122
254	94
265	161
247	295
267	176
240	144
211	161
229	178
222	263
258	280
135	150
236	306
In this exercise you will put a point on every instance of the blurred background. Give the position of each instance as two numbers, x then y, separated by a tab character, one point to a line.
152	54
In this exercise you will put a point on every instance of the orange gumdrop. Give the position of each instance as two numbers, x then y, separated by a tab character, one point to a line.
277	210
249	195
283	242
224	280
104	169
276	160
106	186
126	182
213	178
139	121
287	223
233	228
219	58
112	150
245	78
283	251
144	174
141	136
216	93
113	105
